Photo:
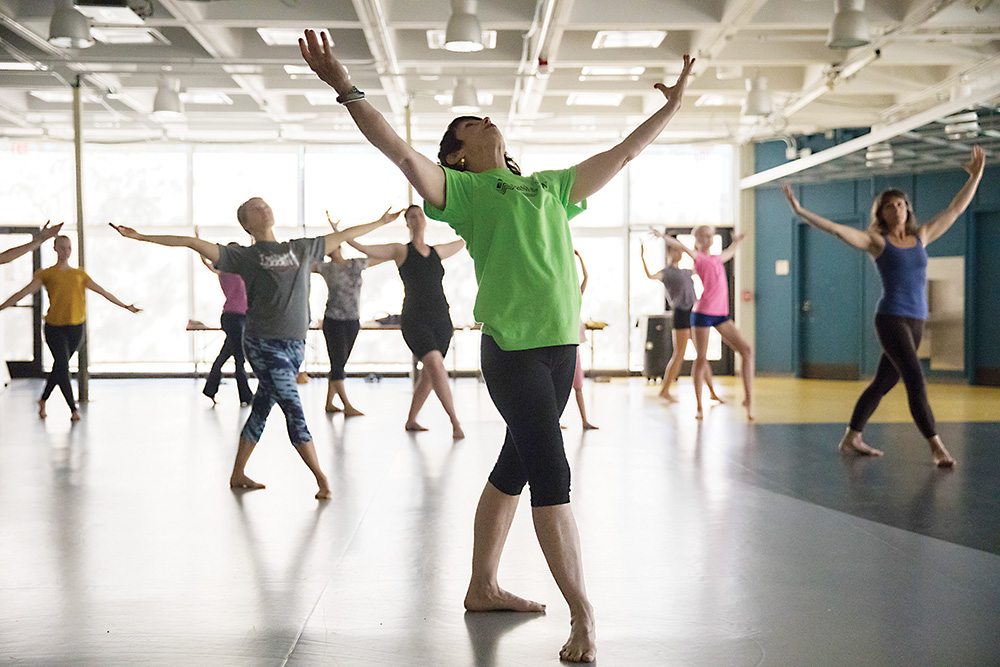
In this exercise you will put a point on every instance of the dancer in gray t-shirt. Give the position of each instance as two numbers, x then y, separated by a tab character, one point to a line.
277	281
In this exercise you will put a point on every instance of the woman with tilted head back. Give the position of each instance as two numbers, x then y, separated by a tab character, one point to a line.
898	246
516	229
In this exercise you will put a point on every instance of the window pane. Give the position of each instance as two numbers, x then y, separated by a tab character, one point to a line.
682	185
225	178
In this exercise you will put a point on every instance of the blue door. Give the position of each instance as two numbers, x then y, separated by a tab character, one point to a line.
986	304
830	298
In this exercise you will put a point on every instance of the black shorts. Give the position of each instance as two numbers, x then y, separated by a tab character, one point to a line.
682	318
424	332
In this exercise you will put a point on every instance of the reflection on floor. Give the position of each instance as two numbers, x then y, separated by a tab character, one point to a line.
720	543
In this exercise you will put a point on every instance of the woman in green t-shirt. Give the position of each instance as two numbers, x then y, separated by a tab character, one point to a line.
516	230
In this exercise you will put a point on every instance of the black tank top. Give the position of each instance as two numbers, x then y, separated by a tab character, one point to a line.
422	276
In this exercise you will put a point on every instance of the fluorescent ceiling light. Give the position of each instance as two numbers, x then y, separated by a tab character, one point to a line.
115	15
139	35
435	39
299	71
285	36
595	99
719	100
19	67
628	39
60	96
322	99
590	73
205	97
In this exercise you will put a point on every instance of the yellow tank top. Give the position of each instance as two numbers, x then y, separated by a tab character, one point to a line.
66	289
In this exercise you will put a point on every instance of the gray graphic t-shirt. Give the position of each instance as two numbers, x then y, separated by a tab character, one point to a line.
343	282
277	280
679	287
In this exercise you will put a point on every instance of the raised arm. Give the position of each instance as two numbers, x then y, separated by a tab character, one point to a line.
594	173
209	251
446	250
674	243
44	235
730	252
940	223
208	264
583	270
93	286
658	276
425	176
862	239
336	237
30	288
383	252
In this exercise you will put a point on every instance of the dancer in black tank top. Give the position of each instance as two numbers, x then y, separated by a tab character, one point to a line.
425	320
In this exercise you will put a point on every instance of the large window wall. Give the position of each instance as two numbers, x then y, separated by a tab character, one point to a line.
174	189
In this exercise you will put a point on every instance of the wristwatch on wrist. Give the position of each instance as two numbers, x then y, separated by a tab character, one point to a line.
352	95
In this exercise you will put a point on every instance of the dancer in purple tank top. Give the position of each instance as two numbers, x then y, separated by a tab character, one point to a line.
897	245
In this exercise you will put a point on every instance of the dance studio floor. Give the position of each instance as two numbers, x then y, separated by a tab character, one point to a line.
719	543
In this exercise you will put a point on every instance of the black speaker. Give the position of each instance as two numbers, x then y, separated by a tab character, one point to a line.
659	345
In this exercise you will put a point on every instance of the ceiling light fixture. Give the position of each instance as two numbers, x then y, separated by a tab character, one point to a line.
465	99
879	155
628	39
167	103
849	29
463	32
758	99
964	125
69	29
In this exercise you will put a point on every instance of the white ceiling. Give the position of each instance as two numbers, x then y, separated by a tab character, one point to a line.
922	52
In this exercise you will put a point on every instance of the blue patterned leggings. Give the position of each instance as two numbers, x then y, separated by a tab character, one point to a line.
276	363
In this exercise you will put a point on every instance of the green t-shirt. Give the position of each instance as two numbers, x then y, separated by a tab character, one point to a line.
517	230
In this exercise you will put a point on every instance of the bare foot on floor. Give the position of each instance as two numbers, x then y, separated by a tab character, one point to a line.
851	443
668	397
715	397
353	412
699	414
587	426
331	409
75	416
324	492
499	600
457	433
414	426
746	404
582	643
244	482
942	459
41	409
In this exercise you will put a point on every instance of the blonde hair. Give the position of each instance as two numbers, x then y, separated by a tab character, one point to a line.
877	223
709	228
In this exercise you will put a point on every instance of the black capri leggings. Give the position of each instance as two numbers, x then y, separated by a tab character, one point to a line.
530	389
340	336
900	338
63	342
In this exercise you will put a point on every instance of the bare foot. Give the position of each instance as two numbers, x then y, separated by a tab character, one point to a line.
457	433
699	414
581	645
41	409
715	397
244	482
324	492
330	409
851	443
498	599
942	459
587	426
667	396
746	404
414	426
353	412
75	416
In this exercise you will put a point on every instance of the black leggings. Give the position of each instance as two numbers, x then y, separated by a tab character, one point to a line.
234	324
530	389
63	342
900	338
340	336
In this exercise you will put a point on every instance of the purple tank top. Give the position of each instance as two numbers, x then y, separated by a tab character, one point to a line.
235	291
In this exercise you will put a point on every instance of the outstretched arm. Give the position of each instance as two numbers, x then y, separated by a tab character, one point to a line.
594	173
30	288
583	269
858	238
208	264
674	243
425	176
446	250
44	235
940	223
335	238
730	252
93	286
383	252
652	276
209	251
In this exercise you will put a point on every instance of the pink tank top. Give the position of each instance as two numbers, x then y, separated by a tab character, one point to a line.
715	295
235	291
